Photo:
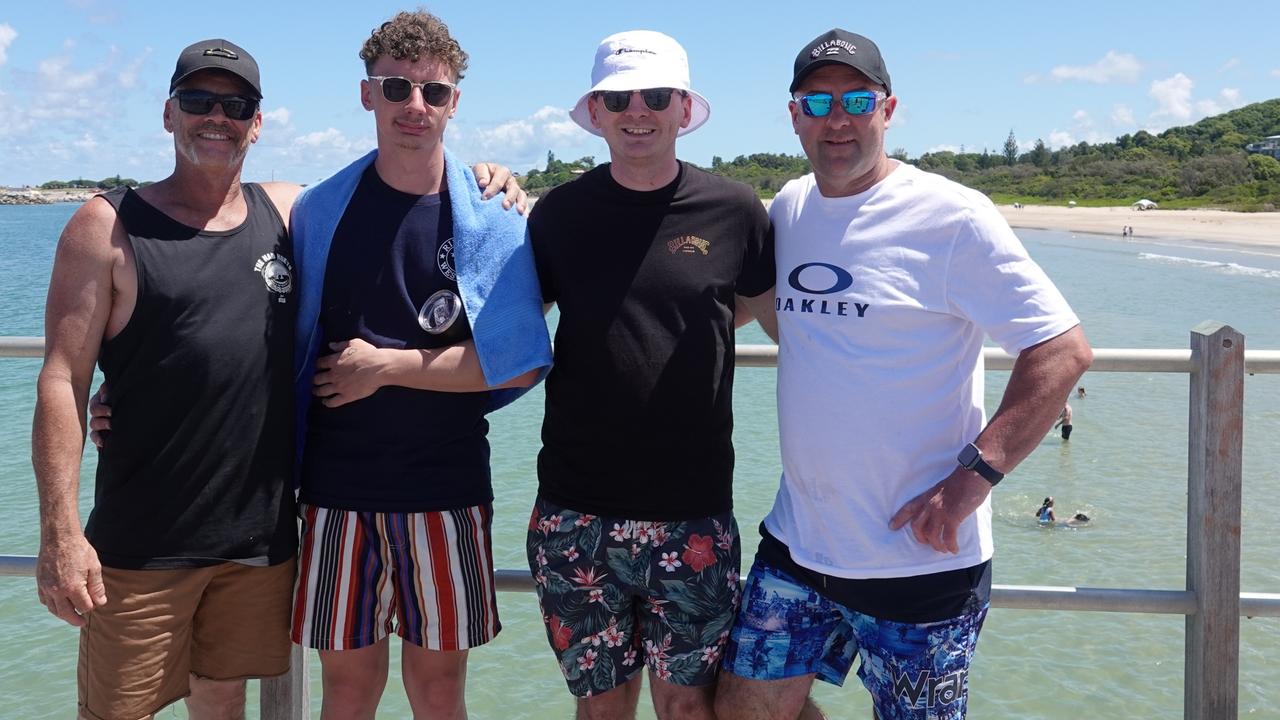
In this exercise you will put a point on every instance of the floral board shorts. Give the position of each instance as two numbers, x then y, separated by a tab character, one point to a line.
912	670
619	594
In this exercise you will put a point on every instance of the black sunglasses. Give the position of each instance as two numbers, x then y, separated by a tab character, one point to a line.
656	99
201	102
397	89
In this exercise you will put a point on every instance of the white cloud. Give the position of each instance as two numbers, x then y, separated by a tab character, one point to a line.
276	118
7	36
1275	73
1228	99
85	143
944	148
1173	97
1121	115
522	144
1060	139
1233	62
1113	67
1031	79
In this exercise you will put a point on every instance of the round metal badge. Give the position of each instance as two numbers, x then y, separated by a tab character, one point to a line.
439	312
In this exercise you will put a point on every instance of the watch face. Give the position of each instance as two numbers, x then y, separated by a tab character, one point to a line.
969	456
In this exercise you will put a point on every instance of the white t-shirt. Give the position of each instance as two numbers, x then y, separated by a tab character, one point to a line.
883	299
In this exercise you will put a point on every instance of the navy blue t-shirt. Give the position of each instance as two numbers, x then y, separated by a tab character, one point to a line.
390	280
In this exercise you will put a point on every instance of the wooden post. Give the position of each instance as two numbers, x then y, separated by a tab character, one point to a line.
1215	430
287	697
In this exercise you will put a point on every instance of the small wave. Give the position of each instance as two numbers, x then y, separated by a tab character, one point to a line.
1225	267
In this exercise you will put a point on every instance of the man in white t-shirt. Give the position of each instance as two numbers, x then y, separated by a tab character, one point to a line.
879	542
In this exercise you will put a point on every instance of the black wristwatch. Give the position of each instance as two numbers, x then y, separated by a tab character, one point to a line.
970	458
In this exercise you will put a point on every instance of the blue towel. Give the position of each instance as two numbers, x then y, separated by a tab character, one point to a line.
496	279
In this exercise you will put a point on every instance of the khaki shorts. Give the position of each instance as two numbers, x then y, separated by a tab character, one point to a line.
224	622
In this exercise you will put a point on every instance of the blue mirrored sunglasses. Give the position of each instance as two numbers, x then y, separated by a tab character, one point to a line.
855	102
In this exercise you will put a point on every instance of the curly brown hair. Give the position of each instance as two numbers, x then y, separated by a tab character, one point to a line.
415	35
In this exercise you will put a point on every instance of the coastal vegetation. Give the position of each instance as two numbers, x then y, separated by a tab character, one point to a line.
82	184
1200	165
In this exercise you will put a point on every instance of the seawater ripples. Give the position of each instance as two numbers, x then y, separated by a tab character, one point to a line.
1125	466
1229	268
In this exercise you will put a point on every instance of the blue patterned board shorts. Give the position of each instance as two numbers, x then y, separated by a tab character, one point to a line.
913	670
618	594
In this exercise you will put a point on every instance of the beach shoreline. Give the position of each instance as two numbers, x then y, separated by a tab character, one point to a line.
1257	230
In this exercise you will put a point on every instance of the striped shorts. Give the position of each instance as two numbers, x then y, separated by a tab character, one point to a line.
428	577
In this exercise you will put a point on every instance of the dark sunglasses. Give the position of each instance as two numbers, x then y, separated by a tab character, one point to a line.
397	89
855	102
201	102
656	99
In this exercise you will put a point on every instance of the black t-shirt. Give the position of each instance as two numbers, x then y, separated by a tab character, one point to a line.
639	417
390	280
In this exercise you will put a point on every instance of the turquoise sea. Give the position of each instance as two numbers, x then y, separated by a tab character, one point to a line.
1125	466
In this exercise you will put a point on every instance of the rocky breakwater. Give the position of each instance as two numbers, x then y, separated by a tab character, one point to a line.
43	197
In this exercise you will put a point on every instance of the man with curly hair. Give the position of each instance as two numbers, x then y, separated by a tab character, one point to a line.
419	313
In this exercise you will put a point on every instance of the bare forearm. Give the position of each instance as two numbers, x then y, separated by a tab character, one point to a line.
1042	377
57	443
452	369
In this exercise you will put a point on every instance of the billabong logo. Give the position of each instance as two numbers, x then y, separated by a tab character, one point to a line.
277	273
689	244
444	260
833	47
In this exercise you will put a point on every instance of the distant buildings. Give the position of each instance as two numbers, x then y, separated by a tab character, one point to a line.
1269	146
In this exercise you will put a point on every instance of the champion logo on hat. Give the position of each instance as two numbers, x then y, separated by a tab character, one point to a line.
619	51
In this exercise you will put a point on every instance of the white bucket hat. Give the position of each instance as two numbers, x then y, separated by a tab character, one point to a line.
638	60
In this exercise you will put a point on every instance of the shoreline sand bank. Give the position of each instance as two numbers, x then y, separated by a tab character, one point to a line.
1212	226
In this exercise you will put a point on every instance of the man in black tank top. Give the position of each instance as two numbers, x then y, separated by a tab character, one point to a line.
183	293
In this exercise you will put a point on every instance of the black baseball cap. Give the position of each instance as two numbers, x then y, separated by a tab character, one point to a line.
843	48
217	55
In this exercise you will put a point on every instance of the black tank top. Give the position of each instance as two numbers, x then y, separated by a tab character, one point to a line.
197	468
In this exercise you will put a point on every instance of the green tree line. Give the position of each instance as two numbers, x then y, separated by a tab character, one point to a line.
1199	165
81	183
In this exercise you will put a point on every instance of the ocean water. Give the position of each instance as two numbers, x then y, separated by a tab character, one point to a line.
1125	466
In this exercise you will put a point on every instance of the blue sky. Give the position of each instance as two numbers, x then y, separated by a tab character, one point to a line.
82	82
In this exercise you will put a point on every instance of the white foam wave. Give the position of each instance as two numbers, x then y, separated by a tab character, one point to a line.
1225	267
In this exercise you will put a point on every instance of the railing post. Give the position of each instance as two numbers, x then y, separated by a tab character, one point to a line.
1215	430
286	697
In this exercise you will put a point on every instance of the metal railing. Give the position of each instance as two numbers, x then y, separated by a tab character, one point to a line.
1211	602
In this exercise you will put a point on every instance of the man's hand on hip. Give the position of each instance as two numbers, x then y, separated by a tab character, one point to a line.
69	578
935	514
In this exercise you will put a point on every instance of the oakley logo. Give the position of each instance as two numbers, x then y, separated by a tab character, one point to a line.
222	53
842	280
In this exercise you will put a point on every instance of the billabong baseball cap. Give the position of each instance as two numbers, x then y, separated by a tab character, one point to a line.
639	60
841	47
217	55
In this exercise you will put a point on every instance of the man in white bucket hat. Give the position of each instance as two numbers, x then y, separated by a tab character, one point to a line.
632	542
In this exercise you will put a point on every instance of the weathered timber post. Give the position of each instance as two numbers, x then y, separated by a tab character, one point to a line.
286	697
1215	432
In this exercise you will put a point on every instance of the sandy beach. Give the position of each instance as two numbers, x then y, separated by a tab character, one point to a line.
1215	226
